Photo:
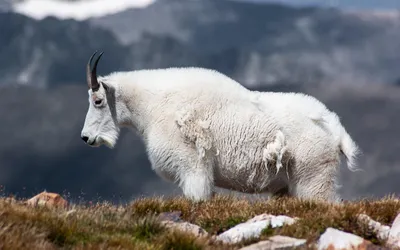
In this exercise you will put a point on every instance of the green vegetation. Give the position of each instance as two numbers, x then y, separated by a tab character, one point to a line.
135	226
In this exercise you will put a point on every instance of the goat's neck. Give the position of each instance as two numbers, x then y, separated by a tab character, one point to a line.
137	108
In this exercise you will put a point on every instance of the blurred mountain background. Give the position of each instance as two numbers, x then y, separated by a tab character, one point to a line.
343	53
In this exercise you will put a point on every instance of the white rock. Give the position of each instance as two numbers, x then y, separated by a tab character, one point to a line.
381	231
394	233
276	242
253	227
336	239
276	220
243	231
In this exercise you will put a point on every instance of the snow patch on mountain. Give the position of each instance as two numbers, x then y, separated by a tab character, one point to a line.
79	10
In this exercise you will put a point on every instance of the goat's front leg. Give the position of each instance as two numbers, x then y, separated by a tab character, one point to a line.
197	182
196	177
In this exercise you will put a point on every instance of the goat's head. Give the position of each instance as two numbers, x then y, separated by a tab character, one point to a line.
101	122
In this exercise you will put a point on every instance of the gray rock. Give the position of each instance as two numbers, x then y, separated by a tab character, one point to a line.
185	227
174	216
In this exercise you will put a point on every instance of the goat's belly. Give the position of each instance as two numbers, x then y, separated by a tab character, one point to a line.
241	162
248	176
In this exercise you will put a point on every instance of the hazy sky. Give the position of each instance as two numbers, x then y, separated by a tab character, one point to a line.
353	4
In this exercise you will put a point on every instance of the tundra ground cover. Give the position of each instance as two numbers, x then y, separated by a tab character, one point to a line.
135	225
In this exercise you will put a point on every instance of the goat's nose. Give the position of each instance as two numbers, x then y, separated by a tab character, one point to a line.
85	138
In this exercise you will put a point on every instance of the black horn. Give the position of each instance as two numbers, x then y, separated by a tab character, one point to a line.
91	73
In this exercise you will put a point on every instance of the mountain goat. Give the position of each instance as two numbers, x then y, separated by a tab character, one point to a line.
202	129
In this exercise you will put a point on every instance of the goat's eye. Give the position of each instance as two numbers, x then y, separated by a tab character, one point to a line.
97	102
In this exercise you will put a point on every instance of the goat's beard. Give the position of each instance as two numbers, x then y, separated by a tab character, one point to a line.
109	140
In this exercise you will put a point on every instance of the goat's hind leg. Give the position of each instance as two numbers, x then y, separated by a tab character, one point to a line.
318	183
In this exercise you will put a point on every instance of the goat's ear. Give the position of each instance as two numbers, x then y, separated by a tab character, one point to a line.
105	86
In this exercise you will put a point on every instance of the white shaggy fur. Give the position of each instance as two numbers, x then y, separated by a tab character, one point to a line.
203	130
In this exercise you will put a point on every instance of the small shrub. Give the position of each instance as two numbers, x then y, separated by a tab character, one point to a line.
147	228
181	241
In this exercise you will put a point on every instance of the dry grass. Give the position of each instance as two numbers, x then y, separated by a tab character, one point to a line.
134	226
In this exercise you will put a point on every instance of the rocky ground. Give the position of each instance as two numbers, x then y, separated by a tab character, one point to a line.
48	221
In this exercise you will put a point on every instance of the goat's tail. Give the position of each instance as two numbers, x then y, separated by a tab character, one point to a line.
350	149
